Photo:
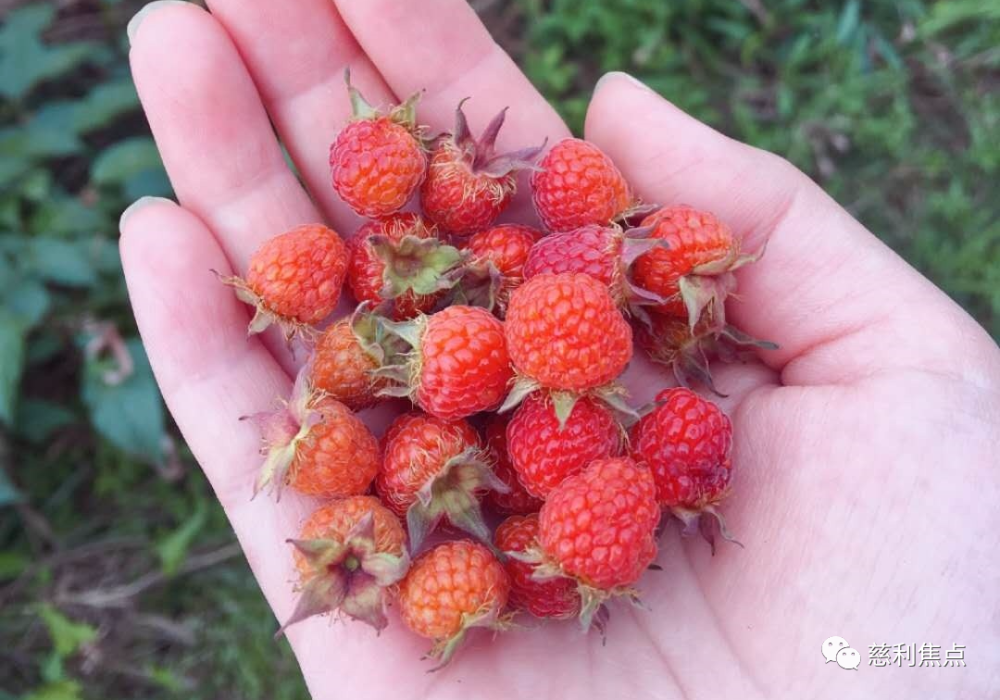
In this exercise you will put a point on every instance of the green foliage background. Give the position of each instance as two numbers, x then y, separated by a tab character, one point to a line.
119	576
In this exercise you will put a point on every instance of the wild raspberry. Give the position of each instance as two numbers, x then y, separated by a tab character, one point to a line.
451	589
577	184
294	280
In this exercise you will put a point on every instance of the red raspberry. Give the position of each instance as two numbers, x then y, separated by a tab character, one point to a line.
458	364
294	279
378	161
450	589
495	264
576	185
516	500
414	254
468	183
434	469
592	249
606	253
342	367
554	597
694	272
506	246
599	527
317	446
543	454
685	442
348	553
565	332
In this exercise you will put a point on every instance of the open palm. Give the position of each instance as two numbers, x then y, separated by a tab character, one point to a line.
865	447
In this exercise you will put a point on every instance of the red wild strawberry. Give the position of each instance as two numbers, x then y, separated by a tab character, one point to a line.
577	184
496	264
400	258
458	364
543	454
468	183
554	597
348	553
315	445
516	500
599	527
451	589
685	441
669	341
694	272
378	161
434	469
345	359
294	280
605	252
565	333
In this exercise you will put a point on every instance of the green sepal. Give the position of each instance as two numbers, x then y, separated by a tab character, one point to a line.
281	432
489	617
453	492
519	391
562	405
263	317
422	265
696	522
404	114
614	396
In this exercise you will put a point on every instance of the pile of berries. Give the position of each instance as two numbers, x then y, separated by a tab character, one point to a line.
508	342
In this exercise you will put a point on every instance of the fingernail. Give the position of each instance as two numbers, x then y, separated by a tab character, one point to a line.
147	9
616	75
136	206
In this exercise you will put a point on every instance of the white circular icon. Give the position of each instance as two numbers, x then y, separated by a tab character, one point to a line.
833	645
848	658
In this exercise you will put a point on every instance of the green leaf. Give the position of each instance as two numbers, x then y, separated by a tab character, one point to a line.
68	263
29	301
848	21
125	160
104	104
64	215
24	60
173	548
8	494
129	414
38	419
61	690
12	340
67	636
12	564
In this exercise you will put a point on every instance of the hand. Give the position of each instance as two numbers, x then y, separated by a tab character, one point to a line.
866	448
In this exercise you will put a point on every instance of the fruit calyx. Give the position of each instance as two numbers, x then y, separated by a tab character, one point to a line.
263	316
688	354
480	155
489	617
423	265
704	521
611	394
704	290
350	576
281	432
404	114
593	611
453	492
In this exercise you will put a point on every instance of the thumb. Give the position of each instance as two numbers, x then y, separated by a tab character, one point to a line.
840	303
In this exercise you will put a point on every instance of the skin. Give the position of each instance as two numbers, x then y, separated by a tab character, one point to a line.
866	455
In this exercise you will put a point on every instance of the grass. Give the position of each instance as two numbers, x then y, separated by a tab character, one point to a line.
119	576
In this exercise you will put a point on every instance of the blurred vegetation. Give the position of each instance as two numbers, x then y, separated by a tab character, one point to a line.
119	576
